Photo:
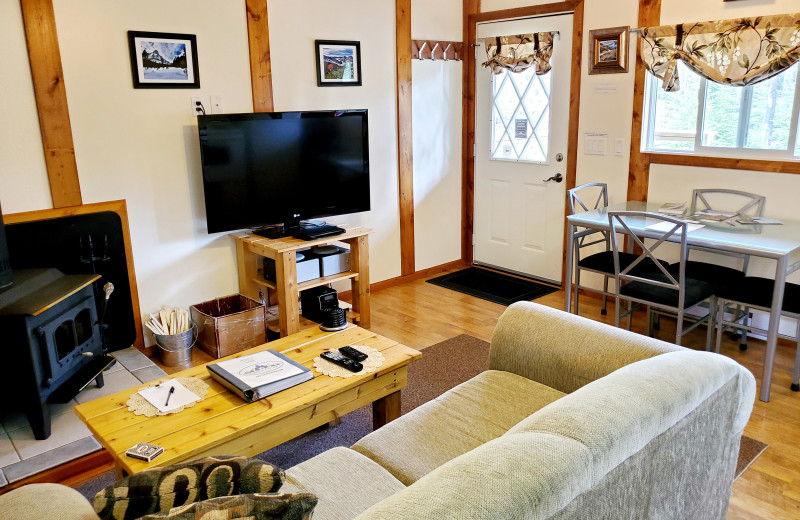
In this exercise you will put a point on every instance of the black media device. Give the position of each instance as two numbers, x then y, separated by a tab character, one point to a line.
354	354
5	261
278	168
315	302
335	357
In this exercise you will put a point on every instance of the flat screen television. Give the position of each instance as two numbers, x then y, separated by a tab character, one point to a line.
275	168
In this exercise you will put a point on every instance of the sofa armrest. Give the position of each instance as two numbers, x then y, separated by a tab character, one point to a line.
562	350
45	501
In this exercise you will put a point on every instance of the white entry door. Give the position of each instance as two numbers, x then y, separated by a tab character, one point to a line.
521	133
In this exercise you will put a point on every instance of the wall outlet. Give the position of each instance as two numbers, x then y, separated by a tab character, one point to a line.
198	109
216	104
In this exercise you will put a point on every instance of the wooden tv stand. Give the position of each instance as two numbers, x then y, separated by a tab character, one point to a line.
250	248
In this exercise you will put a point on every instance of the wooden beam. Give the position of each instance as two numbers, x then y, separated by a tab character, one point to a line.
471	9
260	65
639	166
51	102
405	154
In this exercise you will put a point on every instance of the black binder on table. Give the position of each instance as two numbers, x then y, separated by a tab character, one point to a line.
268	364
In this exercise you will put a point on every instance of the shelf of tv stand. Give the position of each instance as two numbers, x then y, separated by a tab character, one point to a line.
314	282
274	325
250	248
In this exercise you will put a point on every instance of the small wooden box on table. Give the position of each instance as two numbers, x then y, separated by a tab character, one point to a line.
250	248
224	424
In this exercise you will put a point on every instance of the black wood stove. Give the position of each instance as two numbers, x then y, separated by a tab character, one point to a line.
51	341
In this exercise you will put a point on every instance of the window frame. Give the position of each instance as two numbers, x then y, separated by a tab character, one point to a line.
651	89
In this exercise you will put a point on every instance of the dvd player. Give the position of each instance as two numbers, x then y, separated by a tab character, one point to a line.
315	232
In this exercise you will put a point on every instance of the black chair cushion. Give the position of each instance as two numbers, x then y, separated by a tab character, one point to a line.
695	292
716	275
757	291
604	263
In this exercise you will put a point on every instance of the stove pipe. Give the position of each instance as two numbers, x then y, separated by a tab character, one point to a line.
5	261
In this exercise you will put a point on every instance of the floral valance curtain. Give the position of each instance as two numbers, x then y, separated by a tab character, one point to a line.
520	52
733	52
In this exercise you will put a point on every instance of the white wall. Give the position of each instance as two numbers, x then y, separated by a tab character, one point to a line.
23	176
436	94
293	28
141	144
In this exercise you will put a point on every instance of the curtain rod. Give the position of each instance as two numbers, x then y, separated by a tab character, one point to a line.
554	33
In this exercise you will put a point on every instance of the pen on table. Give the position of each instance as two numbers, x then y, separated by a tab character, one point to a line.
171	391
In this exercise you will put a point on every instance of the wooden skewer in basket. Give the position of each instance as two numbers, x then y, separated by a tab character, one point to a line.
169	320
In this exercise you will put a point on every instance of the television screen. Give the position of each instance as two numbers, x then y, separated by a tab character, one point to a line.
282	167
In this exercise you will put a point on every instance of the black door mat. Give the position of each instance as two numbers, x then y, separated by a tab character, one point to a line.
490	285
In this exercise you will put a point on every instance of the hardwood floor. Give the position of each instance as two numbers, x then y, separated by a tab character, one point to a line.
420	314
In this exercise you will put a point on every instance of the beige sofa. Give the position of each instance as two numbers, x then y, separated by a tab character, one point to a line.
575	419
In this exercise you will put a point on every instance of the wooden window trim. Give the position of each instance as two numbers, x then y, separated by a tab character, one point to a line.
725	162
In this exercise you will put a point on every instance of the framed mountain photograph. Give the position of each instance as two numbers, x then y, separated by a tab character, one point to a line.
338	63
608	50
163	60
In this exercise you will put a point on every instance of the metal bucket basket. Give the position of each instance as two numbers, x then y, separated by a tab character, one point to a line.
176	349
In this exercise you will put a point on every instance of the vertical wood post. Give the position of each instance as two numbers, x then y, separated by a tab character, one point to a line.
471	8
51	102
639	167
260	65
405	154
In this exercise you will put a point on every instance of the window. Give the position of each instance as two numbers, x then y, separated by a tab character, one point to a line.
520	116
705	118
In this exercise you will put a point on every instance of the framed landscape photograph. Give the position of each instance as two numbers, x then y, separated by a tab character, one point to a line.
338	63
163	60
608	50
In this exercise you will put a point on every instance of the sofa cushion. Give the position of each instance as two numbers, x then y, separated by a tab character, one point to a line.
454	423
294	506
528	475
160	489
45	501
345	482
616	416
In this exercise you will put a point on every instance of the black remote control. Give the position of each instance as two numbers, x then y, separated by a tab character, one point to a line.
349	364
352	353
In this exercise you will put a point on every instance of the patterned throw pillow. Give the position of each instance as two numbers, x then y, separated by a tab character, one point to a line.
160	489
295	506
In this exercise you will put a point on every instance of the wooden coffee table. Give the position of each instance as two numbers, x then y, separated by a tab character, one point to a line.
224	424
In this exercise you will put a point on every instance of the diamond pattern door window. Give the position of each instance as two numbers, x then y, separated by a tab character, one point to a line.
521	116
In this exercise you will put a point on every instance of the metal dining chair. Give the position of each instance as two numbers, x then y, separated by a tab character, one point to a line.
756	293
662	290
589	197
732	201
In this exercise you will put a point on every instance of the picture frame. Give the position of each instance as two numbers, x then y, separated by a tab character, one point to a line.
338	63
608	50
163	60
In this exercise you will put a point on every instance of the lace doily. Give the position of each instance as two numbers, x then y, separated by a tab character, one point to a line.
139	405
371	364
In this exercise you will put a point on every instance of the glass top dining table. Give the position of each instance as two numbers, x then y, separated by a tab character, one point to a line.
780	242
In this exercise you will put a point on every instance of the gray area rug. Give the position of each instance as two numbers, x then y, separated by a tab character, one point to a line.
442	366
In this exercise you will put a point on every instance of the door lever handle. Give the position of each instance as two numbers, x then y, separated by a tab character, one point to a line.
557	177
